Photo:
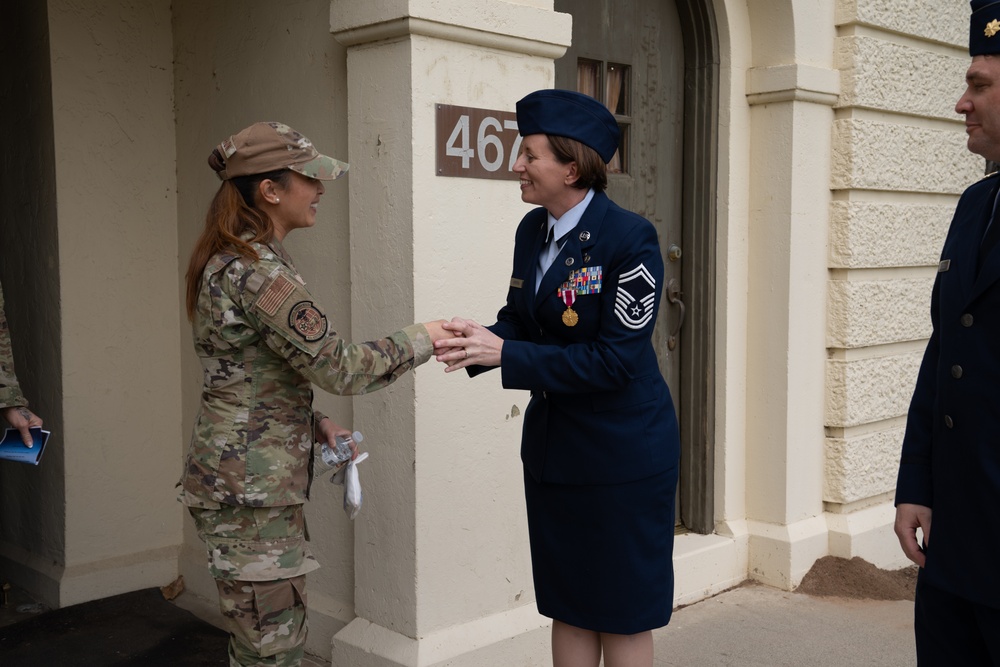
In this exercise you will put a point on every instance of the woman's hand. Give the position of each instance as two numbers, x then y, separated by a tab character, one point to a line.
22	419
437	331
473	345
328	430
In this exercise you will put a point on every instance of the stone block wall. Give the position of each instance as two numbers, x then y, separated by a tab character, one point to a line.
899	162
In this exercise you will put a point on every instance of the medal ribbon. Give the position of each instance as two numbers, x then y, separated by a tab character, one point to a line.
568	297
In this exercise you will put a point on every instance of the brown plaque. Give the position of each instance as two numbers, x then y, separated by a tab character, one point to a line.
476	143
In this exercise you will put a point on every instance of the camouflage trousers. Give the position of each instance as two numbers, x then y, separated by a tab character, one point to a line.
259	558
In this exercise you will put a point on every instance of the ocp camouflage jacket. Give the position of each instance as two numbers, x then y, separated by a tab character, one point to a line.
10	391
262	339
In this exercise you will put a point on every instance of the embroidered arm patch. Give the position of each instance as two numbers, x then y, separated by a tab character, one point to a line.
635	298
306	320
279	290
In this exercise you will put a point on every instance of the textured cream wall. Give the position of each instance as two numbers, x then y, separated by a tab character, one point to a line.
899	157
886	234
899	161
112	97
866	389
911	78
932	21
863	313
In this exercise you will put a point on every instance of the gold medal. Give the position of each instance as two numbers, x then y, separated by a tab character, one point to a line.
569	316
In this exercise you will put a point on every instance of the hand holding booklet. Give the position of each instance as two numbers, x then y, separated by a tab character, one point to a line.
12	446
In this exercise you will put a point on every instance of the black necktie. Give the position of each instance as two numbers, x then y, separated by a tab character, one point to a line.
550	250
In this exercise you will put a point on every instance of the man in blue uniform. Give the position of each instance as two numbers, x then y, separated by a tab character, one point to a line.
949	475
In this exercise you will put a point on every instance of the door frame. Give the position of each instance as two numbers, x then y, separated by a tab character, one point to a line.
700	217
696	388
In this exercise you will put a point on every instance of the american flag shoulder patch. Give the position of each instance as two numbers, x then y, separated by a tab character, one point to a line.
276	293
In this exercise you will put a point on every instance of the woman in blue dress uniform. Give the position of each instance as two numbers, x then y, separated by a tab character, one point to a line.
600	441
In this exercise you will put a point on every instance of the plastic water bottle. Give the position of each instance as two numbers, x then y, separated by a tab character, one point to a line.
340	453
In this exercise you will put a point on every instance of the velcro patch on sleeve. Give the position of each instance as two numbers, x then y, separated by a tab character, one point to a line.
279	290
306	320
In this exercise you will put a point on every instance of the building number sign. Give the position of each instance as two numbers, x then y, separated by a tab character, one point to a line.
476	143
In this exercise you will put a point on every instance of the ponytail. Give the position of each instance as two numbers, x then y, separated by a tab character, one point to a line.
232	214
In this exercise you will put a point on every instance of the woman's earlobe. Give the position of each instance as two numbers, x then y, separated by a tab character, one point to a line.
572	175
267	191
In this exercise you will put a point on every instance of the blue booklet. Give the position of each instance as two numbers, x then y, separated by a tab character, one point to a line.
12	446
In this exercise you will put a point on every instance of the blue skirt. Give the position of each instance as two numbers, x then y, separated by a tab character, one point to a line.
601	555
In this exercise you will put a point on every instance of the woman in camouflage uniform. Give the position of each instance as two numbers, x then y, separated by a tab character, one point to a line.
263	341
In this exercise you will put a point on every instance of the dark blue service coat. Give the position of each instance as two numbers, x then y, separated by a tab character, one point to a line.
951	449
600	411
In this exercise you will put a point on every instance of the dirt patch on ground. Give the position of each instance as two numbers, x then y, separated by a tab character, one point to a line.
858	579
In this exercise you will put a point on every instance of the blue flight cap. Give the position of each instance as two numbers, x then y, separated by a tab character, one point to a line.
984	28
565	113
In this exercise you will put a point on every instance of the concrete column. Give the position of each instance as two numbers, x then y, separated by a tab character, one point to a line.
791	100
787	335
441	558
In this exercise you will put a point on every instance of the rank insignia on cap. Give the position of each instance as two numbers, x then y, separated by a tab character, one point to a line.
306	320
992	28
635	297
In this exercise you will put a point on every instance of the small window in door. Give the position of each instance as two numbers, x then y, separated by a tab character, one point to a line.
610	84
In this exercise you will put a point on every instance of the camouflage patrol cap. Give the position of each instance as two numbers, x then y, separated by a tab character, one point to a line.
264	147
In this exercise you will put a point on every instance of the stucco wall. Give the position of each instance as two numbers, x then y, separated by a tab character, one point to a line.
899	162
88	197
112	98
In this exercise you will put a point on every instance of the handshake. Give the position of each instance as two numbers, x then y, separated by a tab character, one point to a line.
461	343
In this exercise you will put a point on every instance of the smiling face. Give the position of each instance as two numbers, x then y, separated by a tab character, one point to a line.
545	181
292	205
981	106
